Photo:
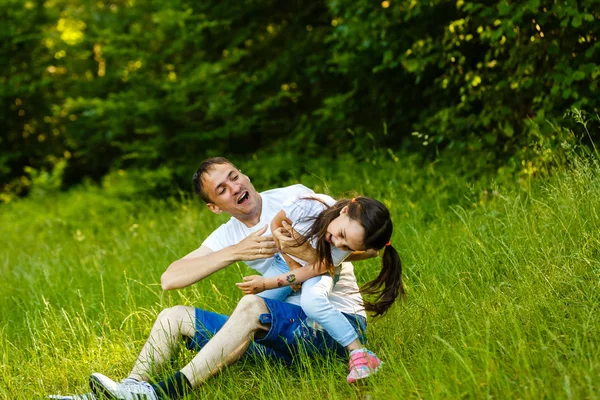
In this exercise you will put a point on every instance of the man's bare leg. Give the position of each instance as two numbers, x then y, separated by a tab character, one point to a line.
171	324
230	343
224	348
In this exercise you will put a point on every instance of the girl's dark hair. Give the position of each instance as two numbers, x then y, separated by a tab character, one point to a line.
375	219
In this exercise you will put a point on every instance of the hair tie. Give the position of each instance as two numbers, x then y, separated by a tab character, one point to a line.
353	200
388	244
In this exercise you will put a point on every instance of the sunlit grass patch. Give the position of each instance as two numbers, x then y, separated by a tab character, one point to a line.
503	291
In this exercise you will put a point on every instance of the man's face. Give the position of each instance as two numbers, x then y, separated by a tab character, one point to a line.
231	191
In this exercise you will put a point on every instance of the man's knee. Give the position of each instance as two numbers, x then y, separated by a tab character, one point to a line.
250	307
252	304
247	314
175	313
177	319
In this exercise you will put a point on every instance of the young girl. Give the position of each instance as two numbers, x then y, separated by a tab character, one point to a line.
338	230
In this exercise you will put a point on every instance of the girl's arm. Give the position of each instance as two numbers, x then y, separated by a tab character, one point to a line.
256	283
362	255
277	222
281	223
285	238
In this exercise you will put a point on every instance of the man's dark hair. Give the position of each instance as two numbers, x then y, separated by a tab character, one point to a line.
205	167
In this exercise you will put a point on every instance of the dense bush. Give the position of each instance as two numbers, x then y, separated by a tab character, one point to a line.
146	84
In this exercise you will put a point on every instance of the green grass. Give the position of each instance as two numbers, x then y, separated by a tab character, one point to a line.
503	288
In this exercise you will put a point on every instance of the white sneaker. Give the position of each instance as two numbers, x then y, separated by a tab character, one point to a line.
85	396
129	389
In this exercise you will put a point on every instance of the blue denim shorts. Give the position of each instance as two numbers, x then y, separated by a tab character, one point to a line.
288	337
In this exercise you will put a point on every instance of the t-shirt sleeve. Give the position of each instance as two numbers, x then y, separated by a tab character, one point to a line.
302	210
218	239
338	256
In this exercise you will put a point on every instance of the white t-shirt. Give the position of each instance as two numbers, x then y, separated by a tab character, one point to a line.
344	296
301	209
233	231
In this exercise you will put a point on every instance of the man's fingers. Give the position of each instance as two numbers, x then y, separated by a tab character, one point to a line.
265	253
265	247
260	231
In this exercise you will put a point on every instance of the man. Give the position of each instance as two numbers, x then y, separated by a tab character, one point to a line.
257	325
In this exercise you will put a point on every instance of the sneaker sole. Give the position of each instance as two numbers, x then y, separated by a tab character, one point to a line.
99	390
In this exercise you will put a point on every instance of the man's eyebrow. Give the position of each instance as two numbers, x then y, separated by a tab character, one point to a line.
221	184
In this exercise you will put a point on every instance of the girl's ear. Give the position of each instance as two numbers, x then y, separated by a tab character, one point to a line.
344	210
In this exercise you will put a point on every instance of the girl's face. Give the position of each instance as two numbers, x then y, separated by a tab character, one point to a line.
345	233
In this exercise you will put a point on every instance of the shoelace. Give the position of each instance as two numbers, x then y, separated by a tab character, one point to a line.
133	390
85	396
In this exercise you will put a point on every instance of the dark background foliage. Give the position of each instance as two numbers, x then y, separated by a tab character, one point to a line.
90	87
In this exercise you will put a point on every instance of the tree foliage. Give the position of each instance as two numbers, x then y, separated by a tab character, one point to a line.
127	84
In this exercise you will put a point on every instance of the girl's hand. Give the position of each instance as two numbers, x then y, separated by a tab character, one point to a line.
287	238
252	284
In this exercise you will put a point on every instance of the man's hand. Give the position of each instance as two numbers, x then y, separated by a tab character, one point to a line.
252	284
288	238
255	246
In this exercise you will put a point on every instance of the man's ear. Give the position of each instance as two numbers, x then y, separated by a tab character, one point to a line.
344	210
247	177
214	208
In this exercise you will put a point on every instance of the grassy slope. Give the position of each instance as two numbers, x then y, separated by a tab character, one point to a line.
503	289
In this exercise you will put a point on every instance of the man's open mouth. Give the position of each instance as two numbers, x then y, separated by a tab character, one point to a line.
243	198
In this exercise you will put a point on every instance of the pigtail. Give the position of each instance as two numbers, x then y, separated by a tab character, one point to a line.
388	284
375	219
